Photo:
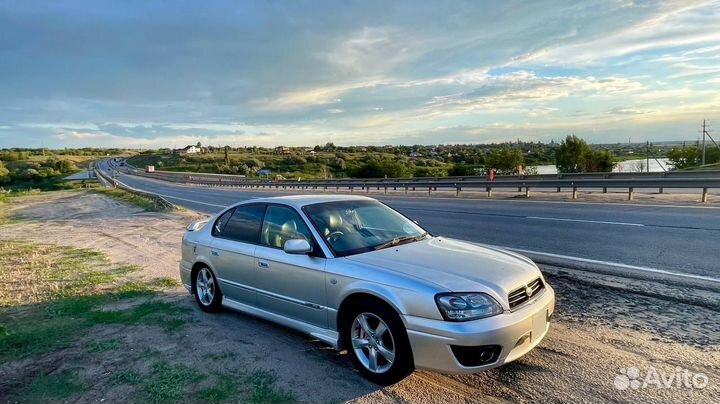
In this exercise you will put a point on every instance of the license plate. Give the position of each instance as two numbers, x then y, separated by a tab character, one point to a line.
540	323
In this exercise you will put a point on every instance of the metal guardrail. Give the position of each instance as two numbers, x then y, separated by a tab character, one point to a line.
156	199
703	180
498	178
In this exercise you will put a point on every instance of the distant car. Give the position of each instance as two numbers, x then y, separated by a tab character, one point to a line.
358	275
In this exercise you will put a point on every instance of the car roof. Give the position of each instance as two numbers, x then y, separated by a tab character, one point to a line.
299	201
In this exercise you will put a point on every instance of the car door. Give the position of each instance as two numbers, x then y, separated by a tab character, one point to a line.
292	285
233	251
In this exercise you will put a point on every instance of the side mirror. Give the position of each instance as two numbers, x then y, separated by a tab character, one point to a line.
297	246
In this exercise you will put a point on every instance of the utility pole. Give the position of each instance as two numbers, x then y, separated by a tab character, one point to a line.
647	155
703	143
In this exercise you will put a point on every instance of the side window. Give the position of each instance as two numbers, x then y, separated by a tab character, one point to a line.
221	222
281	224
244	224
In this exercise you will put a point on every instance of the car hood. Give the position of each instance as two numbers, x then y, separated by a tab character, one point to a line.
455	265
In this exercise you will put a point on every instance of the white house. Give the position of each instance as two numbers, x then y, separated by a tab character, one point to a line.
189	149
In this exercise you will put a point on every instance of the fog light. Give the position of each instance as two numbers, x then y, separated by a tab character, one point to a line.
476	355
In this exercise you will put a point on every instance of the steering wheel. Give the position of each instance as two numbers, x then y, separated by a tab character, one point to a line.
334	236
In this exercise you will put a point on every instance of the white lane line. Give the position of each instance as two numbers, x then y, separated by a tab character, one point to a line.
190	200
584	221
615	264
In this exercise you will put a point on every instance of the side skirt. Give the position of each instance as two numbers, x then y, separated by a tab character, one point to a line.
327	336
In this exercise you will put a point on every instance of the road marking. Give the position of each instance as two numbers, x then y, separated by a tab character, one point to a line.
190	200
614	264
584	221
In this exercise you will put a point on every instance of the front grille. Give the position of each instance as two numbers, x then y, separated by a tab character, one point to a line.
522	294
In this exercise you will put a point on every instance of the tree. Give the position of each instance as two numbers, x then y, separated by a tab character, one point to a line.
571	155
65	166
227	158
339	164
505	160
684	157
4	174
599	161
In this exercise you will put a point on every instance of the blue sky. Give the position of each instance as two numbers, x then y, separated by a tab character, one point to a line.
164	74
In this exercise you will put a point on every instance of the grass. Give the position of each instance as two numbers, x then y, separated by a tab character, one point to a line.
102	346
51	300
263	389
50	296
51	387
126	376
124	196
168	383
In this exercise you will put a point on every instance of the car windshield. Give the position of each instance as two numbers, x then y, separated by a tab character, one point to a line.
352	227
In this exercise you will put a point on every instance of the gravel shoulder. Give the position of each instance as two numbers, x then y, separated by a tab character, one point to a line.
603	324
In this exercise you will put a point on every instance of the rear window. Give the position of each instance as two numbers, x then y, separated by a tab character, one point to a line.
221	222
244	224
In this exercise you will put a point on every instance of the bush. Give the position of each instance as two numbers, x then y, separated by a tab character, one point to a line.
380	169
458	170
339	164
505	161
4	174
429	172
65	166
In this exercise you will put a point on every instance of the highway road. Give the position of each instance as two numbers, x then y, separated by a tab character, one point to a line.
683	239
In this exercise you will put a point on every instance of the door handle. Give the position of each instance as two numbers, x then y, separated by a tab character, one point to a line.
263	264
215	253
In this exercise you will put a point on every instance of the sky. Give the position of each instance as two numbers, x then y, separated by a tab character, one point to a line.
148	74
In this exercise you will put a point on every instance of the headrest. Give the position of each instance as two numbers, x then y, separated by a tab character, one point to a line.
333	220
289	227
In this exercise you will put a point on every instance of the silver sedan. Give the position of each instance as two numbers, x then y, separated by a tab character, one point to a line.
360	276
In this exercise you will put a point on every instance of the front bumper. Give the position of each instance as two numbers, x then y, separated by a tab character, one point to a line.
516	332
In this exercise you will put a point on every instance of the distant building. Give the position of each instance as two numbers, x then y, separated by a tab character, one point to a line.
189	149
264	171
282	150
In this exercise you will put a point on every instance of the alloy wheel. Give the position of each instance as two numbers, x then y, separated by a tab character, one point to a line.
372	343
205	286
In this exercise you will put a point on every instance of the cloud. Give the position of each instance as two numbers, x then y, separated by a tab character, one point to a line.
673	25
263	73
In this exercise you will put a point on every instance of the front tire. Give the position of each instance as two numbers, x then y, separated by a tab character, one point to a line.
206	290
378	344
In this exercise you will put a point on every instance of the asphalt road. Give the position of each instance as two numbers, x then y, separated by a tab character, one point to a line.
672	238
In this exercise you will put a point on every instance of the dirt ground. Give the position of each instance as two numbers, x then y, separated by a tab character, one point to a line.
604	327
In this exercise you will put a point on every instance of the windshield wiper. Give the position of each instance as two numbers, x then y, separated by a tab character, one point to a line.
399	240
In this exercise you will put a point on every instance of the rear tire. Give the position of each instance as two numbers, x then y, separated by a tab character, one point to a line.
378	343
206	290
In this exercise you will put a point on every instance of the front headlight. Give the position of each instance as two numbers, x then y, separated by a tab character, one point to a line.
467	306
